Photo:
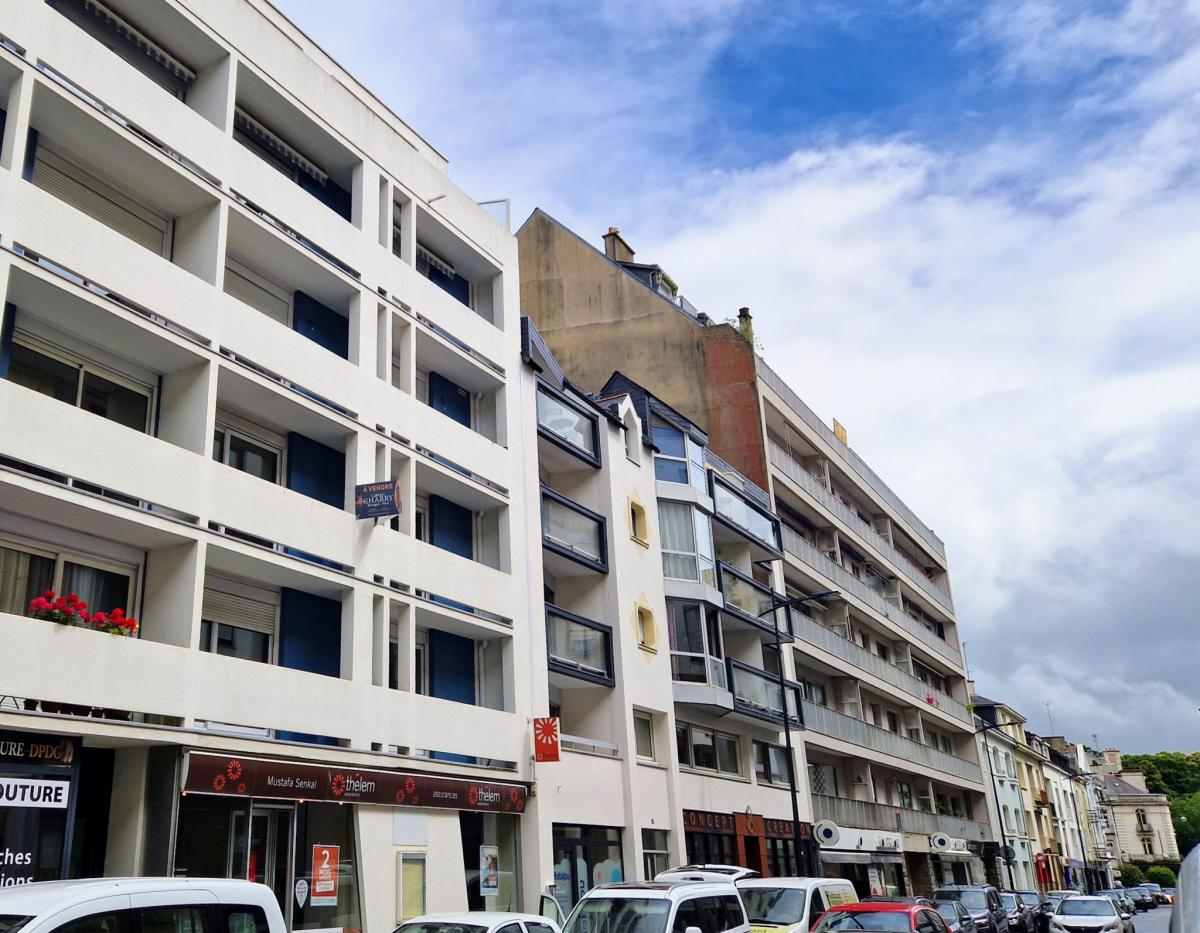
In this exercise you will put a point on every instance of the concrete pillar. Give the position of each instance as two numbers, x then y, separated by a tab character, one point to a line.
127	814
174	594
189	407
16	124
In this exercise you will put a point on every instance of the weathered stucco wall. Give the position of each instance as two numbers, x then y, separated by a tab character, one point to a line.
597	319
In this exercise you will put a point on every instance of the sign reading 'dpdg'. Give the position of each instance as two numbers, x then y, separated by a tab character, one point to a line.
35	793
377	500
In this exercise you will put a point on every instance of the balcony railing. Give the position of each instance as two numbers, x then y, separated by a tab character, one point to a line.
750	600
813	632
573	531
691	668
732	509
759	694
853	460
836	725
863	815
567	425
579	647
781	459
793	543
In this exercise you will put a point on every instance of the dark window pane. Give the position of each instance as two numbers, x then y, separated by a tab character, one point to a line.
670	471
102	590
704	754
727	755
43	374
234	642
668	440
683	749
253	459
114	402
22	577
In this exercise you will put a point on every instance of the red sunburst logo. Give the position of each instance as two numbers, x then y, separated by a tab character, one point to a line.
219	782
410	785
338	785
473	795
234	770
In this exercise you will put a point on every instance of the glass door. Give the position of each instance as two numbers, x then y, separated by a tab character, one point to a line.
262	851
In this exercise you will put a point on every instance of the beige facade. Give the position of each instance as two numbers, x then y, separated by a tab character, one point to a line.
1142	831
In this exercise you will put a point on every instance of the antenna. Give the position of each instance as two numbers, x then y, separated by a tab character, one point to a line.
1046	703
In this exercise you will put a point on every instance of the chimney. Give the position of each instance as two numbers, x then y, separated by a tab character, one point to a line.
615	247
745	325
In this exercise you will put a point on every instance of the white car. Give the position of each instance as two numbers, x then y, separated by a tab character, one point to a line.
659	907
110	905
1087	914
792	905
479	921
706	873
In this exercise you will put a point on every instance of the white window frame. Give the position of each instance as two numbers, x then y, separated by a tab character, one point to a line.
689	765
64	556
231	424
649	720
85	365
249	591
266	283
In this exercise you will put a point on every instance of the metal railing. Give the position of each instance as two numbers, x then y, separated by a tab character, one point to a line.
839	726
793	543
863	815
577	743
853	460
759	694
815	488
807	629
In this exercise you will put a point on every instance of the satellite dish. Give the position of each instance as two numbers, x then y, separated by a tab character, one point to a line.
940	841
827	832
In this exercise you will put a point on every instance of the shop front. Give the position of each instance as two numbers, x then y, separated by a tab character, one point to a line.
584	856
307	831
871	860
766	845
39	781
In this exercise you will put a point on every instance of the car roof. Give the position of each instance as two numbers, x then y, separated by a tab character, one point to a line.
962	887
790	882
41	897
876	906
666	890
483	918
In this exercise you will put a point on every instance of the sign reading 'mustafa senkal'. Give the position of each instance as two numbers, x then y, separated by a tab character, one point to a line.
230	775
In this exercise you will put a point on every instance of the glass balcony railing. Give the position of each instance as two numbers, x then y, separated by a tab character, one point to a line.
731	508
566	423
759	694
579	647
573	531
698	669
751	600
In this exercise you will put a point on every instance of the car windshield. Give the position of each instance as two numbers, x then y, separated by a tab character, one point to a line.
1009	901
1081	907
1150	886
884	921
972	900
1030	898
428	927
774	905
949	911
619	915
10	923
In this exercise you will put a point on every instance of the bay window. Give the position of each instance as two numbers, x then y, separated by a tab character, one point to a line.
679	458
687	546
697	648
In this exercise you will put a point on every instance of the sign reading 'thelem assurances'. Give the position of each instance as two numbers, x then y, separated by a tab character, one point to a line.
34	792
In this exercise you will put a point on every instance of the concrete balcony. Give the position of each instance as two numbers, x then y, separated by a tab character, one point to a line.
827	722
782	461
864	815
812	632
845	581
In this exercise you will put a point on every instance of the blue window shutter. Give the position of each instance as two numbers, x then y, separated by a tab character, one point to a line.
6	336
331	194
451	667
310	633
31	145
450	398
316	470
451	527
321	324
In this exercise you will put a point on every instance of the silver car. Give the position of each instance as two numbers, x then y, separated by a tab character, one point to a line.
1088	914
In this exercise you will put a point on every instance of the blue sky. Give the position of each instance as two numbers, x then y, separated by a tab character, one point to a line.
969	230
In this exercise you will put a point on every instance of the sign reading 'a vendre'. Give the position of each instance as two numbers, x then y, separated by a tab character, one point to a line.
286	780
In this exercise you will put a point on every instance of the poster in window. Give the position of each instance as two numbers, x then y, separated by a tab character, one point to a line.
324	889
489	870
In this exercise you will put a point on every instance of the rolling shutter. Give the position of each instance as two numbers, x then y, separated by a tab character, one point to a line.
243	286
69	183
232	602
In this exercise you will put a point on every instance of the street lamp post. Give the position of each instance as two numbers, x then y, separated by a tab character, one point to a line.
999	810
787	722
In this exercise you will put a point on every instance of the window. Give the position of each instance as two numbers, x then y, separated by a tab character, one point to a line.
58	374
771	763
259	453
822	778
670	462
175	919
411	899
96	923
697	649
258	291
687	548
633	439
1147	845
813	692
905	792
238	619
566	422
707	750
656	857
637	523
643	735
882	650
26	572
893	722
241	919
647	637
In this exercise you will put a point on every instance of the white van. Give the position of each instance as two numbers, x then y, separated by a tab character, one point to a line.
660	907
792	905
706	873
121	905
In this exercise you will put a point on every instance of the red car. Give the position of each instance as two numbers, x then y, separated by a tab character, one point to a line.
881	917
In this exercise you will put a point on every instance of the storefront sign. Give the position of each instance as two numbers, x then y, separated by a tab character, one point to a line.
545	739
287	780
377	500
35	793
27	748
705	821
325	867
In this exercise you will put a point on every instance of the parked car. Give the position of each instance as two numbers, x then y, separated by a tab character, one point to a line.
1121	898
1088	913
656	907
226	906
1156	890
981	900
1054	898
957	917
706	873
1169	893
479	921
1020	917
1142	899
791	905
882	917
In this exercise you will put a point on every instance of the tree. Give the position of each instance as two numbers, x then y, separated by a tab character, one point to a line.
1131	875
1161	875
1172	773
1185	815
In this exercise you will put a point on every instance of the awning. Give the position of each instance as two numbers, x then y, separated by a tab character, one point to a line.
273	143
859	858
131	34
956	856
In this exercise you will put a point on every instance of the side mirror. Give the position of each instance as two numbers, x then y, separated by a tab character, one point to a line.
1126	916
693	930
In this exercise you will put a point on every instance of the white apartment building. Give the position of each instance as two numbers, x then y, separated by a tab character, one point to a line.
235	286
892	767
1066	819
1006	803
